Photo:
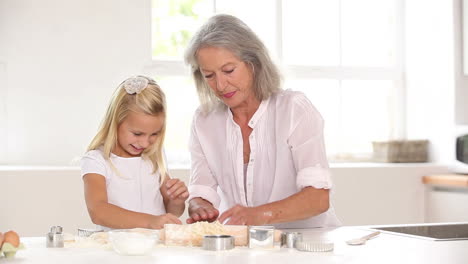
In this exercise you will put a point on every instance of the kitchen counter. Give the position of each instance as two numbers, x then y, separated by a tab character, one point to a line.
386	248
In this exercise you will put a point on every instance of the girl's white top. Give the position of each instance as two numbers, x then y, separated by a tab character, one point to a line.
133	186
287	154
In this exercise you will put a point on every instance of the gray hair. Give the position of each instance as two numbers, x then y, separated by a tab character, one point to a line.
229	32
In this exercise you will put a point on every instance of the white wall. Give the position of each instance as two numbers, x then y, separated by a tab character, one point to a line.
62	60
35	198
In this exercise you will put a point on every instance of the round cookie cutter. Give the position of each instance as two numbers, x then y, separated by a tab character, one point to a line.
218	242
289	239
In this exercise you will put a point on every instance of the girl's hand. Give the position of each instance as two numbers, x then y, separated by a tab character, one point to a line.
175	190
201	210
159	221
241	215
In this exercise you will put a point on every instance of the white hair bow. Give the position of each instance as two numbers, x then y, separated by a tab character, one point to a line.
135	84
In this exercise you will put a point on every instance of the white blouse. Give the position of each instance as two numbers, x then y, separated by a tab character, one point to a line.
134	187
287	154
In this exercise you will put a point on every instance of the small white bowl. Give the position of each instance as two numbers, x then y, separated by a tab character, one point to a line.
133	242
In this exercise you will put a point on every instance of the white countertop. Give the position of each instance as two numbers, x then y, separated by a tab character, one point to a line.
386	248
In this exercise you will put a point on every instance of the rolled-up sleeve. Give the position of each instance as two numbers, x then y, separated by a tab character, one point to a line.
202	182
206	193
307	145
316	177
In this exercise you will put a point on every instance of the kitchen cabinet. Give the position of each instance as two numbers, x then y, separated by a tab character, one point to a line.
446	198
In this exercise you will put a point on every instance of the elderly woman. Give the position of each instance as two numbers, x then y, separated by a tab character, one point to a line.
257	151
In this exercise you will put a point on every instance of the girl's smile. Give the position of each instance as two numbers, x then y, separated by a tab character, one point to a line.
138	149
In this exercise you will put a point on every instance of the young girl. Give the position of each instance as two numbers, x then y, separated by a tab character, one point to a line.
125	179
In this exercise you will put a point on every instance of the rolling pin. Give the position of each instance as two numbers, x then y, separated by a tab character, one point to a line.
192	234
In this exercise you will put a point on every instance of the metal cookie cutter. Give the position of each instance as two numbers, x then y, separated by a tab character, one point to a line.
289	239
261	236
218	242
54	238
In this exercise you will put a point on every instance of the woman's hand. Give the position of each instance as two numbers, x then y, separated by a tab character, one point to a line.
201	210
241	215
175	190
304	204
158	221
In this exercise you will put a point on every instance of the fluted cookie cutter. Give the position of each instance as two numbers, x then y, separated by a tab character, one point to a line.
315	246
218	242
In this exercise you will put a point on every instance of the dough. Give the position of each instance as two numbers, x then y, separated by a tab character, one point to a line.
192	235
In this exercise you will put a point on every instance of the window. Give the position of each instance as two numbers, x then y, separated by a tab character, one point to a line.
346	56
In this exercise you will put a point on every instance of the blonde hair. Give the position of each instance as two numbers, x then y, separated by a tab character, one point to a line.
229	32
152	101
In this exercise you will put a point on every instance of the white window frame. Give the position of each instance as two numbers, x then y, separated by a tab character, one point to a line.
395	74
